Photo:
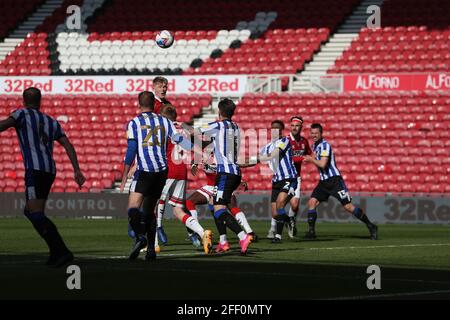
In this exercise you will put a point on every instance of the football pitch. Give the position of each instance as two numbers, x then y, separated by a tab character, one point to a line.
414	262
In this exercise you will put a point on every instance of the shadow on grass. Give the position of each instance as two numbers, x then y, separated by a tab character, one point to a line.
25	277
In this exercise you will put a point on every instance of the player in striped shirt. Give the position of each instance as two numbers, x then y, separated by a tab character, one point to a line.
226	142
330	184
37	132
278	153
175	189
148	134
300	148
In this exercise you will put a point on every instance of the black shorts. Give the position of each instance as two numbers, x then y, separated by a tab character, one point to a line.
38	184
149	184
334	186
288	185
226	184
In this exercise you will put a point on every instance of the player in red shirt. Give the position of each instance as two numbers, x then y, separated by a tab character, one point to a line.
300	148
160	85
175	191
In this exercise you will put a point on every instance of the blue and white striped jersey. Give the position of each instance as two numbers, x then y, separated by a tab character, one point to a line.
323	149
226	141
283	166
151	132
37	132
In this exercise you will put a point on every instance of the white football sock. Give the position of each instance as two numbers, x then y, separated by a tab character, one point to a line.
242	235
160	213
273	225
242	220
223	238
193	224
156	240
194	214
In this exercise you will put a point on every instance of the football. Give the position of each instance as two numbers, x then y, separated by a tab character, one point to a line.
164	39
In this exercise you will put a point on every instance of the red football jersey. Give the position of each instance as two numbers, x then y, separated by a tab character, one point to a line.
176	162
300	148
159	103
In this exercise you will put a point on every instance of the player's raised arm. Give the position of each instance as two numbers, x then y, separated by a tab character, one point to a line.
70	150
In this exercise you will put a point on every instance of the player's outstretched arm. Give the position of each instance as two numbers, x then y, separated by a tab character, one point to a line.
6	124
70	150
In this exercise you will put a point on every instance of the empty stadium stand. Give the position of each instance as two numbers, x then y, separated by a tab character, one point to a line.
14	12
414	37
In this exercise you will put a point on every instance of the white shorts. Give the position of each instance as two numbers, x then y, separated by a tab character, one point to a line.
299	185
207	191
175	190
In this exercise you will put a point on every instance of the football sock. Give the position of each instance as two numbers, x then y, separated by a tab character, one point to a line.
161	205
227	218
193	224
280	219
359	214
150	228
312	217
137	223
241	235
149	220
273	225
48	231
241	219
220	225
223	238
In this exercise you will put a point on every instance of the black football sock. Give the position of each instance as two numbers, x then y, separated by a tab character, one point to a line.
281	219
150	226
48	231
228	220
148	207
137	223
312	217
359	214
221	227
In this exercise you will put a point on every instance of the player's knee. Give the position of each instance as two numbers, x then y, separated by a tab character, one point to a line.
294	207
312	203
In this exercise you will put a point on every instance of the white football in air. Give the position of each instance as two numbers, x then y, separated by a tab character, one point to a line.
164	39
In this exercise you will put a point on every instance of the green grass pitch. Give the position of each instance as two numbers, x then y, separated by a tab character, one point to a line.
414	262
